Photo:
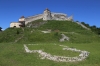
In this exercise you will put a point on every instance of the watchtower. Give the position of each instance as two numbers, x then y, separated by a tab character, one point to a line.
47	14
22	21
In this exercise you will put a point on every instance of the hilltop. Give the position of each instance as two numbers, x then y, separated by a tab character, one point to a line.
33	32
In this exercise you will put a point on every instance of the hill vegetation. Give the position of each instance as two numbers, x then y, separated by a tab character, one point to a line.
75	32
93	28
12	52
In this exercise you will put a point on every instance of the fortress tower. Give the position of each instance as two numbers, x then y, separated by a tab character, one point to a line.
22	21
47	14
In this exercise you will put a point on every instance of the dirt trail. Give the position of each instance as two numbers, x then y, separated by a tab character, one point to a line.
19	37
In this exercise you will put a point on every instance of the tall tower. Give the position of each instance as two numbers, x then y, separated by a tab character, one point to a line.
22	21
47	14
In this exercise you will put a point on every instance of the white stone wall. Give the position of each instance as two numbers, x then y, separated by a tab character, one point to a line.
16	24
59	14
33	18
22	19
43	55
47	15
53	16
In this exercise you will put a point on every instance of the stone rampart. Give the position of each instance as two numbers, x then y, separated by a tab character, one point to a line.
33	18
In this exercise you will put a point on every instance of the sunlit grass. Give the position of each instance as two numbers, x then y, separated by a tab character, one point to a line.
15	55
53	50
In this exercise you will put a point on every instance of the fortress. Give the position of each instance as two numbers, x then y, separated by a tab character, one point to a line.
47	15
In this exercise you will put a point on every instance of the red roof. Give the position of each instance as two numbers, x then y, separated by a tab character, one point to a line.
47	9
22	17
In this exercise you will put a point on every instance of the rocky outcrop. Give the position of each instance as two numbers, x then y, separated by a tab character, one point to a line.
49	31
64	37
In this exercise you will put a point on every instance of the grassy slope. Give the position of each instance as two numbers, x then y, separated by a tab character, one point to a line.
75	32
10	35
14	54
61	26
48	46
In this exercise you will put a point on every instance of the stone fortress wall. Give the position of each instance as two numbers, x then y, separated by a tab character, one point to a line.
47	15
61	16
15	24
33	18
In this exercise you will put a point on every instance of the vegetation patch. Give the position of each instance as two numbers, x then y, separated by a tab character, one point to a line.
53	49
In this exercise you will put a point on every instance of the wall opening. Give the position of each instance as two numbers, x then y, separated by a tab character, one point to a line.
14	26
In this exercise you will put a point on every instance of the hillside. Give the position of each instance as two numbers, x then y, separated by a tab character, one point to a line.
38	44
33	32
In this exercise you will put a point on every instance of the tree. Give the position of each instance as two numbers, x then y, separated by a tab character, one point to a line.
83	23
98	31
94	27
0	28
87	25
77	21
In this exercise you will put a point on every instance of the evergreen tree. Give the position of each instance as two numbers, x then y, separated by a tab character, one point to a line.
0	28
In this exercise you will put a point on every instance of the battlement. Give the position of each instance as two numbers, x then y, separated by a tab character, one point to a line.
47	15
33	18
59	13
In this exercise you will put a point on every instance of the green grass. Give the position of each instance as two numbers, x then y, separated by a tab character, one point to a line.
80	34
38	36
10	35
61	25
15	55
51	48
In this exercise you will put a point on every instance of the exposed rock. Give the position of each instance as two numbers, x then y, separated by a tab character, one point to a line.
64	37
49	31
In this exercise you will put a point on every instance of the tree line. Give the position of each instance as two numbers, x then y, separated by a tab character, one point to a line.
93	28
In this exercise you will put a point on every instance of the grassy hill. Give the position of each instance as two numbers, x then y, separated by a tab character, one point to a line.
10	35
12	40
75	32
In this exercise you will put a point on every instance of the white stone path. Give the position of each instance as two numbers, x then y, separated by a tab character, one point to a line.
43	55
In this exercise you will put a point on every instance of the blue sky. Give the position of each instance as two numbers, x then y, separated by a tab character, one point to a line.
87	11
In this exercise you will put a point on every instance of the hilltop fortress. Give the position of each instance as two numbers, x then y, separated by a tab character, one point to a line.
47	15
